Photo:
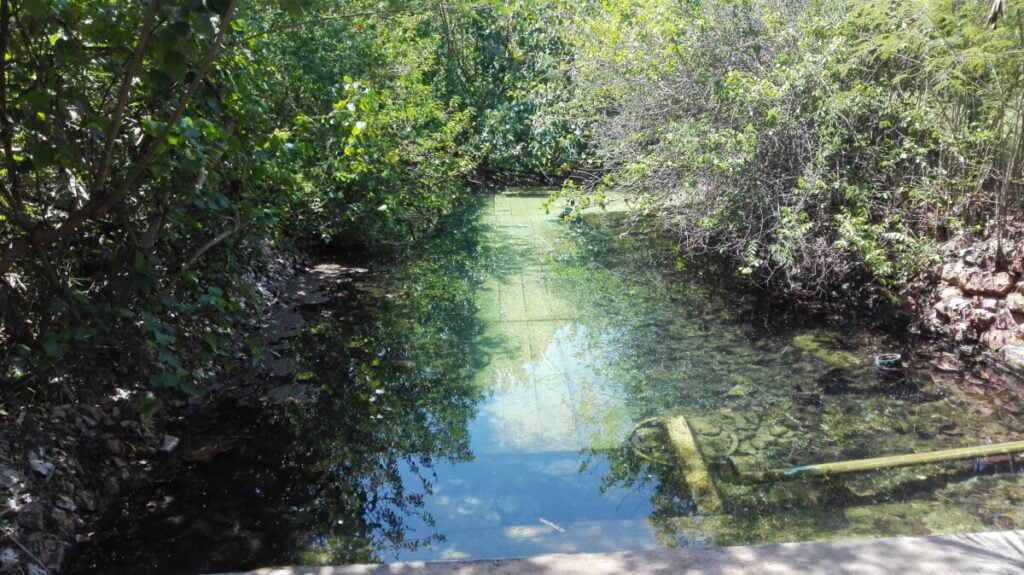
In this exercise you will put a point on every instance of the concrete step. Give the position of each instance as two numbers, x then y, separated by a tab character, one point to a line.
538	538
998	553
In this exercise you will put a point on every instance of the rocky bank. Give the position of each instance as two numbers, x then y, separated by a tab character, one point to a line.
975	297
65	460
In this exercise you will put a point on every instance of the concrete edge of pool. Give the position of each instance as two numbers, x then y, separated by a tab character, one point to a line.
970	554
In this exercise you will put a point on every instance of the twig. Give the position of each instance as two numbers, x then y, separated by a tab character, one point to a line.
10	535
208	245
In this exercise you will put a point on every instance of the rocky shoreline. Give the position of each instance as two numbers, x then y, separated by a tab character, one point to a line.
63	462
975	302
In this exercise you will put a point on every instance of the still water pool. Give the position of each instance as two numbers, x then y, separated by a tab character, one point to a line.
477	401
588	333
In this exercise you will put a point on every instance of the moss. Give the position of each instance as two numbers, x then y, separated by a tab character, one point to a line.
821	348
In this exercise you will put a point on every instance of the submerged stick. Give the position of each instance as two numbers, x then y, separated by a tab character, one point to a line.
552	525
696	473
905	460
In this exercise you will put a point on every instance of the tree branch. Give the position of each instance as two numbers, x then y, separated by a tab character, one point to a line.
148	23
348	16
99	203
208	245
998	10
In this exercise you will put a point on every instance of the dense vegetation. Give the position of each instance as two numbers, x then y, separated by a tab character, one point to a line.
812	142
154	153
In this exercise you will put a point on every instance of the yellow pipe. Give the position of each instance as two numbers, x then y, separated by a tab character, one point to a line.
694	470
904	460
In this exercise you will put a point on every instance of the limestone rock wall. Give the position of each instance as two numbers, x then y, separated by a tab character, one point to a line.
973	301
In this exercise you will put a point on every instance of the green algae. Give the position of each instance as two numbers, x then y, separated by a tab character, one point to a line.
822	347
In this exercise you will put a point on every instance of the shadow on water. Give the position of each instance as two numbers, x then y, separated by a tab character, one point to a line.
493	360
326	480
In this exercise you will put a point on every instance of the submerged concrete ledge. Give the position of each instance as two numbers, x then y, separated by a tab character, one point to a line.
971	554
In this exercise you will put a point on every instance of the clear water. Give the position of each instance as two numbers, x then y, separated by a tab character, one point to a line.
551	398
589	332
475	402
592	334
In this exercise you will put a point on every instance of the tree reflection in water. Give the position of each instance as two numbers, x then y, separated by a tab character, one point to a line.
256	483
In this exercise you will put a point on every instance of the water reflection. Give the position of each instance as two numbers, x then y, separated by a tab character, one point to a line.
770	395
549	396
335	480
564	401
473	404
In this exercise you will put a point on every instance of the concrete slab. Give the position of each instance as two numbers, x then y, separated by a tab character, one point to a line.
998	553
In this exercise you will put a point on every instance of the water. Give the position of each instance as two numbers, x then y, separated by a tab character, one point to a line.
475	402
550	398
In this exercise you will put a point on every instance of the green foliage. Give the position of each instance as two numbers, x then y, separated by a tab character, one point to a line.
151	153
506	62
783	134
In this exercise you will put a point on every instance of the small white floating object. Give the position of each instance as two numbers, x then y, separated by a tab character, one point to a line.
551	525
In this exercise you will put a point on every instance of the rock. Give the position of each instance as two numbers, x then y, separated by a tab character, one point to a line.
951	309
111	486
989	304
296	393
955	274
971	256
61	519
32	516
1004	317
989	283
8	557
94	412
949	292
44	468
1004	522
280	366
981	319
824	349
9	477
963	331
1013	355
999	338
66	503
1015	301
53	554
169	444
950	429
967	351
115	446
948	362
88	499
739	391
